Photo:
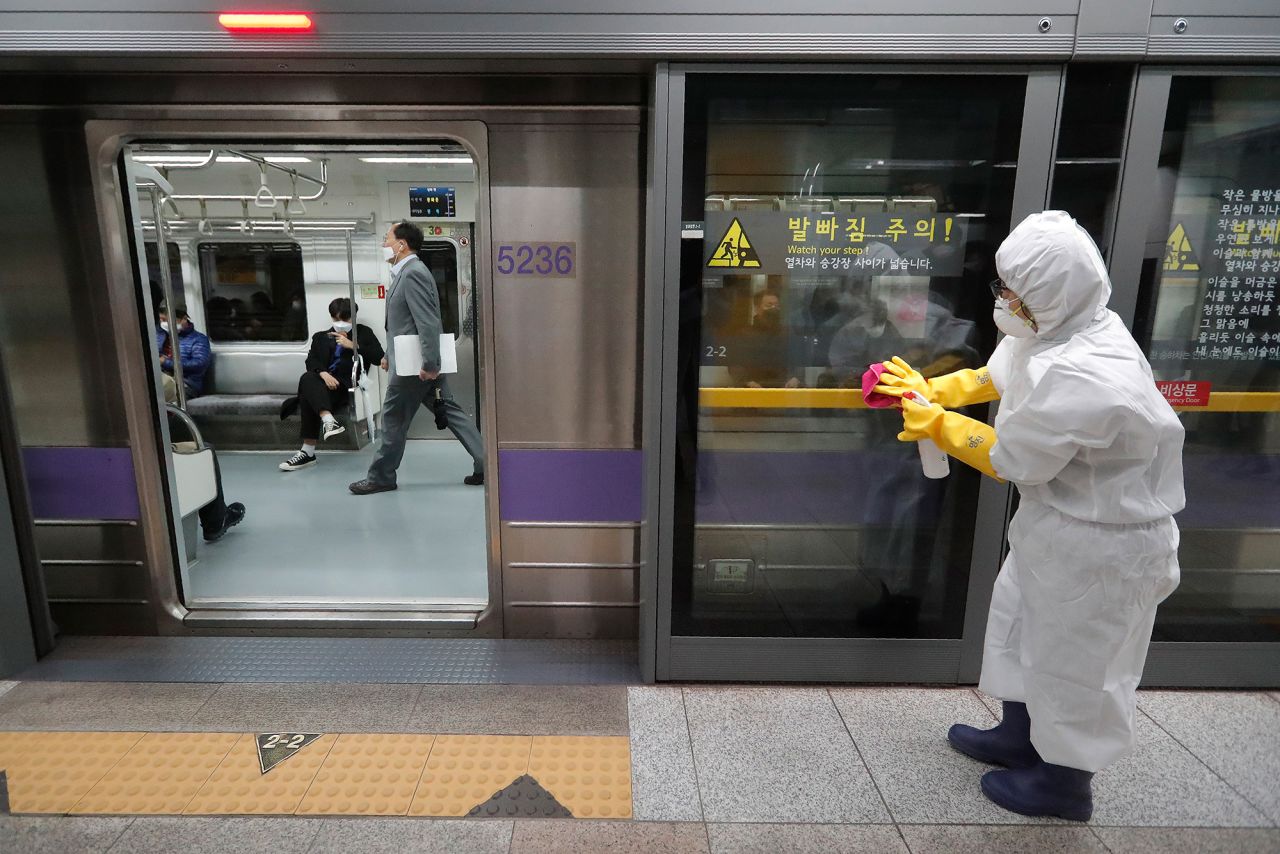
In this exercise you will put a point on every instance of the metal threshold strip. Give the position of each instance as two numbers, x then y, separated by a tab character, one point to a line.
328	618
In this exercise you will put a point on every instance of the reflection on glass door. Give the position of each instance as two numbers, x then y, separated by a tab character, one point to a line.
845	220
1214	331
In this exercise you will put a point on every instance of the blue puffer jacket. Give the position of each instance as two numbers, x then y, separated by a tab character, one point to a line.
196	356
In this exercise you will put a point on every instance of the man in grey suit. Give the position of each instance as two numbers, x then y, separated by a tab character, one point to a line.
413	308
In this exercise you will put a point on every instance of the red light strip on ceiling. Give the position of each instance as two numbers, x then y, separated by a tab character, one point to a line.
241	22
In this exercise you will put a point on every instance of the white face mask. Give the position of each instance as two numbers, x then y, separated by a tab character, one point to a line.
1010	323
341	326
164	324
388	254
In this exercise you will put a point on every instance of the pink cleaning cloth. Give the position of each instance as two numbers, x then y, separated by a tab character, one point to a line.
874	399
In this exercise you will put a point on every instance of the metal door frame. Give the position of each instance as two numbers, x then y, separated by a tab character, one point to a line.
334	128
667	657
27	631
1195	664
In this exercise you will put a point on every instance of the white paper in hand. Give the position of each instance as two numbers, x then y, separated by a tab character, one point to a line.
408	355
448	354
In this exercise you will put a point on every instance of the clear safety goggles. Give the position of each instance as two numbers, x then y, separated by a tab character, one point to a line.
1016	305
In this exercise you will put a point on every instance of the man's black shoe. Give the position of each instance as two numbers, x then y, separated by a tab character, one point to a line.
288	407
476	479
235	513
369	487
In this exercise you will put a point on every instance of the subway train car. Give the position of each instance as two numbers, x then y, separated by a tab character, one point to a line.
665	241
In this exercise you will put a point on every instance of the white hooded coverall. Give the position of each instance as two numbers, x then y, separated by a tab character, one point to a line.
1096	454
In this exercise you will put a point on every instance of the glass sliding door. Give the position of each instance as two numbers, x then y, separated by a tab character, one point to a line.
832	221
1207	311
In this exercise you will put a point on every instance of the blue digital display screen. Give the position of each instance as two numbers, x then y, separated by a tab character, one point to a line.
431	202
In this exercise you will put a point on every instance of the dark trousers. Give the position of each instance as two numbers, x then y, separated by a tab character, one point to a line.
214	514
405	395
314	397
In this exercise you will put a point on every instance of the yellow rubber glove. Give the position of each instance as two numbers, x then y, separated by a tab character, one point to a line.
953	390
962	388
899	377
968	440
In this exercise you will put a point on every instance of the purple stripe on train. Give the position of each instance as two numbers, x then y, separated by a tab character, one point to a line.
81	483
571	486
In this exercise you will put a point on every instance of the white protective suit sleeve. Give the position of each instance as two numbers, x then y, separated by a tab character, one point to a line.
1066	411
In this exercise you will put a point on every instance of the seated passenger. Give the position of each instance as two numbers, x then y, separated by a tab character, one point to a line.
217	517
760	359
193	347
326	384
294	325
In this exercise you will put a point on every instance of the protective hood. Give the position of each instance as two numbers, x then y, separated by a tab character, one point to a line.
1053	264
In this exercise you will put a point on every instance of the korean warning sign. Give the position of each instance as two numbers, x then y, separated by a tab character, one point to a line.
734	249
777	242
1179	255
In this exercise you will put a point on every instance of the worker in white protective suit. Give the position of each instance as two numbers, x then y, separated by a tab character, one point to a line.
1096	454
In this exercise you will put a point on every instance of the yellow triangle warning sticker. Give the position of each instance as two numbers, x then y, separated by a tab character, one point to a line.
1179	257
734	249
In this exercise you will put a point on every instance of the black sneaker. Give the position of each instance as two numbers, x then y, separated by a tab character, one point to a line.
235	514
476	479
299	460
331	429
369	487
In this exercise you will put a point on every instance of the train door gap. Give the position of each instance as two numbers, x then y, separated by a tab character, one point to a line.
265	246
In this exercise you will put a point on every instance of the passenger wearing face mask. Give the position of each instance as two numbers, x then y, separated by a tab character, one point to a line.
1096	454
294	325
413	308
327	382
762	359
193	348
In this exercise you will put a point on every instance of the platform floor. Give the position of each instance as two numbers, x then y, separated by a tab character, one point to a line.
306	539
712	769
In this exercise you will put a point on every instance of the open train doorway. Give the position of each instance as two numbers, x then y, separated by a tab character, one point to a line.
274	370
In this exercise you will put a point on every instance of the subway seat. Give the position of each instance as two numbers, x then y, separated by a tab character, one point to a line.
235	404
246	390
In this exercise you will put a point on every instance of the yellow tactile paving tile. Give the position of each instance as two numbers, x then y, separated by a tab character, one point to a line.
368	775
49	772
589	775
464	770
354	774
160	775
238	786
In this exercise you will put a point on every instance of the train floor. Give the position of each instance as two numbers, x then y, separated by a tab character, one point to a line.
409	768
305	539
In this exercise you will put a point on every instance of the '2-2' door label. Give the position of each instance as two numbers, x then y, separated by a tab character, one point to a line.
537	260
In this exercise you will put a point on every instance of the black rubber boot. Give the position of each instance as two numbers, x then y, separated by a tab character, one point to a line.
1008	743
1042	790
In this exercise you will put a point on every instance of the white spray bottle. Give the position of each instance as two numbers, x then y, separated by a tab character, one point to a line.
932	458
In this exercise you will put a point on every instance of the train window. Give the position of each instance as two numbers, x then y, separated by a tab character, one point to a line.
847	219
1211	274
441	258
253	291
153	271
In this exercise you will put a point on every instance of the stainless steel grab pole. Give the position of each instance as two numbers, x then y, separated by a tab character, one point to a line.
166	288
